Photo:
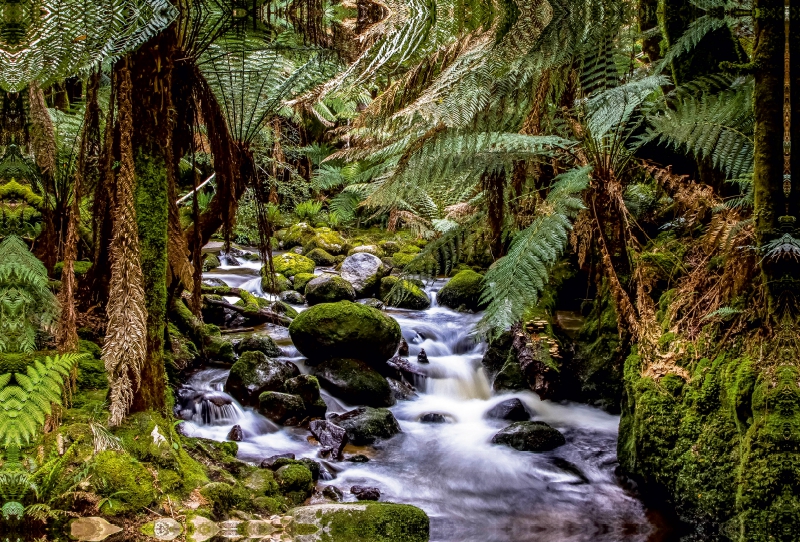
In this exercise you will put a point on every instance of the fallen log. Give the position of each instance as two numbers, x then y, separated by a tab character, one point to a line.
258	314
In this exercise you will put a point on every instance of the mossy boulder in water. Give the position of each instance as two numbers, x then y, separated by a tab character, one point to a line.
293	297
300	281
361	522
328	240
463	291
355	382
278	284
281	407
259	343
345	329
295	481
530	437
298	235
364	271
210	261
329	288
322	257
290	264
253	374
365	425
404	294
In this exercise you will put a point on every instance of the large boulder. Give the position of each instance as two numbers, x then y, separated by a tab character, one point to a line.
365	425
403	294
281	407
364	271
259	343
328	240
254	373
463	292
322	258
331	437
345	329
355	382
329	288
359	522
511	409
298	235
530	437
290	264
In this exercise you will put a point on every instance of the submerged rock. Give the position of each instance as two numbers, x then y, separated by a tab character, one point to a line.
254	373
329	288
364	493
354	381
433	417
463	291
345	329
236	433
530	437
365	425
422	357
333	493
373	521
332	437
510	409
364	271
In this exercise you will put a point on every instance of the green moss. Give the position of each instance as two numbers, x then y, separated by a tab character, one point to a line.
290	264
301	279
328	240
322	258
404	294
366	522
226	497
124	482
402	259
297	235
278	284
91	374
345	329
210	261
269	505
329	288
463	291
79	268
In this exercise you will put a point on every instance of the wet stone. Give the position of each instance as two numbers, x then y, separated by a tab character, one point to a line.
333	493
269	462
332	437
236	433
422	357
364	493
511	409
433	417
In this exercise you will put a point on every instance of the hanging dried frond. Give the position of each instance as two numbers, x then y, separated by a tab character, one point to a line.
125	344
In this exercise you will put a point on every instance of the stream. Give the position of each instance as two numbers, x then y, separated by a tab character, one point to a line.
473	491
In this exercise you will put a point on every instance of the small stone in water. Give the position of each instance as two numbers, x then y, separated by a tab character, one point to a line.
364	493
358	458
333	493
236	434
270	461
433	417
403	350
332	437
511	409
422	357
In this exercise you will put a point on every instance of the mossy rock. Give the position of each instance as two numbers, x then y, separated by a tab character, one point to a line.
510	377
126	483
530	437
92	374
300	281
355	382
278	284
329	288
463	291
210	261
226	497
290	264
90	348
298	235
375	250
402	259
322	258
281	407
410	249
259	343
261	482
281	307
366	426
405	294
253	374
328	240
269	505
79	268
295	481
306	386
345	329
362	522
390	248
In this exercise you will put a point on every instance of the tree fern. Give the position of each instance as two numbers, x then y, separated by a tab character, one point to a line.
25	403
513	285
718	127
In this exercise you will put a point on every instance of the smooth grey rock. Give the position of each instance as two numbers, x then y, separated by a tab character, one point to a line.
364	271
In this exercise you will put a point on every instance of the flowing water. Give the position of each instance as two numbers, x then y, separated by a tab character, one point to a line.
472	490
